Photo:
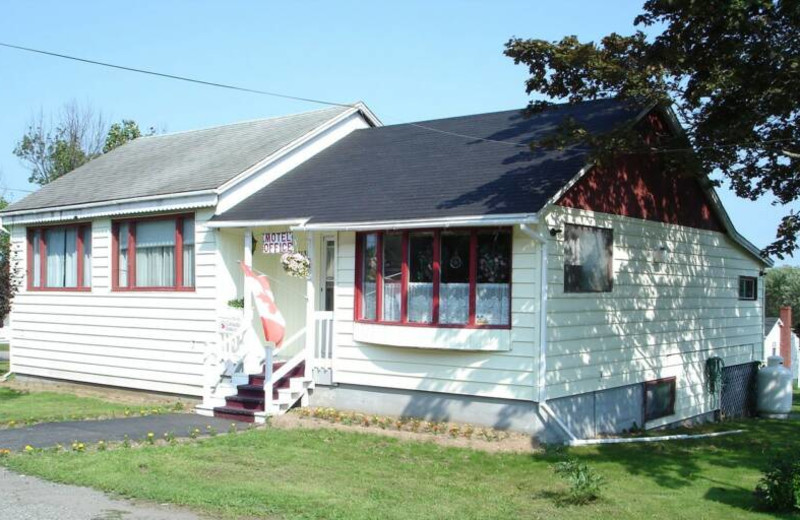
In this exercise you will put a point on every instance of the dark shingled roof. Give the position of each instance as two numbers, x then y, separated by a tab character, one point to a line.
176	163
452	167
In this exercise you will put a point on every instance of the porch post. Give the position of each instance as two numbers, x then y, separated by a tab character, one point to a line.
311	305
248	261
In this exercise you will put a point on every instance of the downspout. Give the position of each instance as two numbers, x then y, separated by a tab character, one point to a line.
541	239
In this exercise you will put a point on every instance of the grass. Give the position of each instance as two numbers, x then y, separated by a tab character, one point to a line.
3	367
334	474
3	347
32	407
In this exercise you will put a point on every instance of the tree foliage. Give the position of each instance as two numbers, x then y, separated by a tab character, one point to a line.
51	148
121	133
729	68
782	287
54	147
8	271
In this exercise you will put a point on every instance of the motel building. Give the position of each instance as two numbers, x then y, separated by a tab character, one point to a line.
441	270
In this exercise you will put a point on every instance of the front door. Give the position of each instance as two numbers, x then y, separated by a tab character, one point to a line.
323	316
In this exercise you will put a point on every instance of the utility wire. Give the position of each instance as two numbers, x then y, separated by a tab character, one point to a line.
328	103
173	76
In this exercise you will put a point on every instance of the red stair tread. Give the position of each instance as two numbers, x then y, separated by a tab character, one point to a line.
234	414
249	398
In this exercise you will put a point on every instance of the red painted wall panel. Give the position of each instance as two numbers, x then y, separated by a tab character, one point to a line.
638	186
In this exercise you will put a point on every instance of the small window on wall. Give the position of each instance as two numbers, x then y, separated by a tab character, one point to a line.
748	288
60	258
588	259
659	398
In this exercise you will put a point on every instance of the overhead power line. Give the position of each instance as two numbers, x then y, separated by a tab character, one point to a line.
174	76
331	103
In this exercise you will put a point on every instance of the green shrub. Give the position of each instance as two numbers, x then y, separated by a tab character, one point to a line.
584	483
779	488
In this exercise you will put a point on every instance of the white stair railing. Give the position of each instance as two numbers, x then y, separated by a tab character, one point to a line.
271	376
222	358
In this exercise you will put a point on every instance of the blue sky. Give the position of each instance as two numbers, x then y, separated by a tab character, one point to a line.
408	61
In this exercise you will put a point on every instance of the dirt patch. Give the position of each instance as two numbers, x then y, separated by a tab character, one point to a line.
106	393
511	442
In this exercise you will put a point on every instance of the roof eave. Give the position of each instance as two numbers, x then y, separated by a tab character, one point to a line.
423	223
150	203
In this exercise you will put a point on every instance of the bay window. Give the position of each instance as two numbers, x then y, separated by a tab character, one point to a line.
448	278
60	258
154	254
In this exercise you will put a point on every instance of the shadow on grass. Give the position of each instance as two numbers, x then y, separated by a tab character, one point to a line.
7	394
677	464
741	498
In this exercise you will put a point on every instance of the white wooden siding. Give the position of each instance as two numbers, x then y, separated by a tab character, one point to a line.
660	320
508	374
147	340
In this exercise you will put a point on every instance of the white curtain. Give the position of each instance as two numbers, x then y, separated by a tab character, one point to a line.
155	253
122	237
37	259
420	302
87	256
368	299
62	257
392	295
492	305
454	303
188	252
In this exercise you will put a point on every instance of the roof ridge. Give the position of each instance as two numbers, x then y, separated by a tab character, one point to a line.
246	121
464	116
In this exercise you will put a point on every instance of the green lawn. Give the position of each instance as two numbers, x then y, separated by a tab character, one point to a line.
3	347
3	367
332	474
31	407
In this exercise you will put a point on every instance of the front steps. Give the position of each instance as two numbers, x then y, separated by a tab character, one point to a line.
249	403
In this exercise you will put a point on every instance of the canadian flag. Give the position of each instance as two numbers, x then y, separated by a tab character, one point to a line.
271	317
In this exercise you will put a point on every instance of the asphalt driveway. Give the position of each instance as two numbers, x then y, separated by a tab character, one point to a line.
136	428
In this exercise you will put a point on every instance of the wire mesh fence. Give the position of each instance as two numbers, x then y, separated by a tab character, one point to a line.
738	397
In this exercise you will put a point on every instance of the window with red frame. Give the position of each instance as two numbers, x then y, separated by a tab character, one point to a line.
154	253
443	278
60	258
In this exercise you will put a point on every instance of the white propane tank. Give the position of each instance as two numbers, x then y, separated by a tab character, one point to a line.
774	395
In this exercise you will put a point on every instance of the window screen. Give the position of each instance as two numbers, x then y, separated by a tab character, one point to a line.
588	259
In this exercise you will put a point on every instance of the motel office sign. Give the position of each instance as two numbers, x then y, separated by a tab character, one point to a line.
278	243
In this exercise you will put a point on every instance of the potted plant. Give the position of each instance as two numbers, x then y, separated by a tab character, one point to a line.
296	264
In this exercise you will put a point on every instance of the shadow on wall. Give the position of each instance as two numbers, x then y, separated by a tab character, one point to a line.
663	318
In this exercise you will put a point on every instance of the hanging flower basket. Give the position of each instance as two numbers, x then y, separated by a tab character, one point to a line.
296	264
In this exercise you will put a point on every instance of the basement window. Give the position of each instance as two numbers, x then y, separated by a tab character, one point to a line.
659	398
588	259
748	288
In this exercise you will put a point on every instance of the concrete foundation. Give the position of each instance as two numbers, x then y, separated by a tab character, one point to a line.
587	415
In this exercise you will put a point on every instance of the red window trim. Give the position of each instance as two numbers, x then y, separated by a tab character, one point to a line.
81	287
131	279
473	277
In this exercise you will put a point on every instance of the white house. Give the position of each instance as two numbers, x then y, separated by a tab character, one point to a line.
455	273
780	340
